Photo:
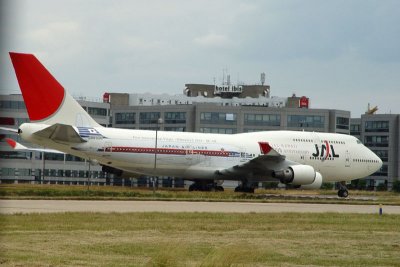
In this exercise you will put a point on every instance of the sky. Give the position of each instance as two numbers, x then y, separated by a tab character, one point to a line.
342	54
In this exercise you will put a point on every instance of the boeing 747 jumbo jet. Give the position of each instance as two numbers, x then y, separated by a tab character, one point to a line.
302	159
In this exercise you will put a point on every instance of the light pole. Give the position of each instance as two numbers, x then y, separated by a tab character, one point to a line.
159	122
43	167
88	176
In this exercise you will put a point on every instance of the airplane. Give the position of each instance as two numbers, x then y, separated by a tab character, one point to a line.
298	158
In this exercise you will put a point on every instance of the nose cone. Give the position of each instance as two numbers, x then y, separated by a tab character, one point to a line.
377	162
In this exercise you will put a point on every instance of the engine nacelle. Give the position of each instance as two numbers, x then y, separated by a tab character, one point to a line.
94	162
297	175
315	185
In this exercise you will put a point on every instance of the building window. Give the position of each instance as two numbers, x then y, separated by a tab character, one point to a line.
377	141
174	117
7	172
152	128
53	173
342	123
217	130
306	121
175	129
218	118
262	119
149	117
97	111
7	104
53	156
249	130
15	155
24	172
377	126
125	118
382	154
69	157
355	129
383	171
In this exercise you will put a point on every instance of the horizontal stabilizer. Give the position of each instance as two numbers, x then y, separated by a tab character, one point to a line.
61	133
17	146
11	130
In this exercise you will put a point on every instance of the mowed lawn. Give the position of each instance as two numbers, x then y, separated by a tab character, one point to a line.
199	239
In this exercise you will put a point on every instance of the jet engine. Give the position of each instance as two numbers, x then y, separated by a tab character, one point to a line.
315	185
303	175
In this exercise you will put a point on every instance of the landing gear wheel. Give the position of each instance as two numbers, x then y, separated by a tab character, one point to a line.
244	189
205	186
343	193
219	188
343	190
192	187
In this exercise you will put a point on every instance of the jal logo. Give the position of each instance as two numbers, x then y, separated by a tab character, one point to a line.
326	151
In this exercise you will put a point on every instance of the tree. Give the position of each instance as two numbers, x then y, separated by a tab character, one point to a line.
396	186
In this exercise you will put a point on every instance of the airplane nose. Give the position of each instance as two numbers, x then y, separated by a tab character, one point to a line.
380	163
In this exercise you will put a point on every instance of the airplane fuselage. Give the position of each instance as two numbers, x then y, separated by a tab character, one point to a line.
187	155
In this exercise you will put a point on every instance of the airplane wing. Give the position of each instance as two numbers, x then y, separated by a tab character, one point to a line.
61	133
17	146
11	130
261	165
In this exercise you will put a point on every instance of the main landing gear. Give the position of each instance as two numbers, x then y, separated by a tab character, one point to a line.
205	186
343	190
246	187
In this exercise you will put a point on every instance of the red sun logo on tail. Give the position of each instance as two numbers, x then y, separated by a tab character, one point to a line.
42	94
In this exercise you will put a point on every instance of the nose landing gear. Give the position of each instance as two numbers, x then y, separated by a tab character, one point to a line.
343	190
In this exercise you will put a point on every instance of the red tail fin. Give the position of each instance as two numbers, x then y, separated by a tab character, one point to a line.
42	93
45	99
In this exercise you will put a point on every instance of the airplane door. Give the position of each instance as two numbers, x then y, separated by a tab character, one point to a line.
347	159
107	149
192	157
303	156
242	154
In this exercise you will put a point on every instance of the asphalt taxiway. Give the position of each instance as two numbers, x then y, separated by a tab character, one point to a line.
48	206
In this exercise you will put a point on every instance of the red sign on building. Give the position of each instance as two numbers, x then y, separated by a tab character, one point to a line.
304	102
106	98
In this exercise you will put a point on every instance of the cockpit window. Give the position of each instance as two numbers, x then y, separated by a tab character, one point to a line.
358	141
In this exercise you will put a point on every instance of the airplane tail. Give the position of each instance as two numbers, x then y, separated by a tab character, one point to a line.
45	99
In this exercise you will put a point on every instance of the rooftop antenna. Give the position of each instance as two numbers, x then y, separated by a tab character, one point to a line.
262	78
224	70
370	110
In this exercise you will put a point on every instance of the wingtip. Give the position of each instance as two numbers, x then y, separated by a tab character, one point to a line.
265	148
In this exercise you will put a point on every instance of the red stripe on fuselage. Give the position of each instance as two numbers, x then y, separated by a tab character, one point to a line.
167	151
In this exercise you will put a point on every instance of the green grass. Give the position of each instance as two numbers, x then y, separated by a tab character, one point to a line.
27	191
199	239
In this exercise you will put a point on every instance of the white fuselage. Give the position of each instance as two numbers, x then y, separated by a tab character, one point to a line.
186	155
